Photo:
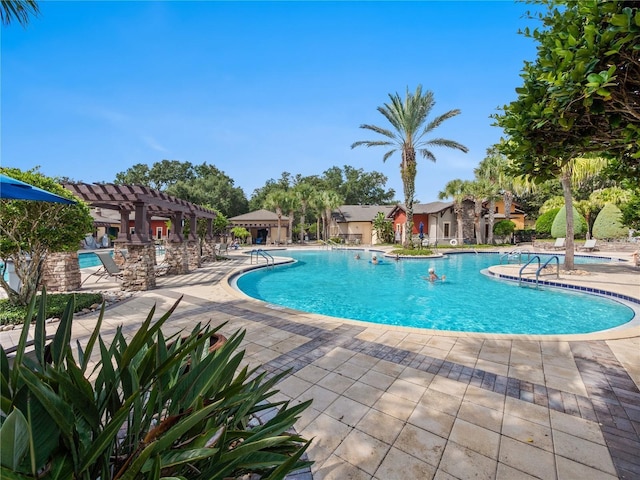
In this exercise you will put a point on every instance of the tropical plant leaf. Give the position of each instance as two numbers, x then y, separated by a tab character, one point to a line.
14	438
84	356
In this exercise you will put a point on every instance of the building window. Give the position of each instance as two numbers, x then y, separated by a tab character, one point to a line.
446	227
497	210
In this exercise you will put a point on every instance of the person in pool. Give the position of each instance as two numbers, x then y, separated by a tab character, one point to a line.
433	276
357	257
374	259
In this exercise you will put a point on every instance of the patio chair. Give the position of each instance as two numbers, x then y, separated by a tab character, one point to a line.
589	245
559	245
109	267
221	249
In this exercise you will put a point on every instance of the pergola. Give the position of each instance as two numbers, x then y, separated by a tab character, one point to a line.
181	255
144	202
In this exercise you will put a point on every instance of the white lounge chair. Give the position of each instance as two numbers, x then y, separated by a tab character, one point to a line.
589	245
559	245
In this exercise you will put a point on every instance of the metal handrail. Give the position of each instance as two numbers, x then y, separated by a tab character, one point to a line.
515	252
261	253
555	257
525	266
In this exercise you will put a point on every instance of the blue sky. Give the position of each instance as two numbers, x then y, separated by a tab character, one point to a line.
91	88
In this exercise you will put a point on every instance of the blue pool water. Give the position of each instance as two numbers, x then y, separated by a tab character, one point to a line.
396	293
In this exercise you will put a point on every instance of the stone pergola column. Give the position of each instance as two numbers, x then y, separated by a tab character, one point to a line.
176	255
208	253
193	246
61	272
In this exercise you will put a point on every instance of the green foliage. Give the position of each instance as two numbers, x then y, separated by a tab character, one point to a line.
504	228
608	224
631	211
357	187
408	118
544	223
383	228
415	252
56	303
559	226
240	232
152	406
29	230
576	96
19	11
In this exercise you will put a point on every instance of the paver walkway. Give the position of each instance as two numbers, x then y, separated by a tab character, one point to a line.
401	403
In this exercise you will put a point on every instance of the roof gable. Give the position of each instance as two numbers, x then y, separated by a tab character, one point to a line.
261	215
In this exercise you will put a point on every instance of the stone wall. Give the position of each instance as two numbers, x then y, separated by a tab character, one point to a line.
176	257
208	251
139	268
61	272
193	255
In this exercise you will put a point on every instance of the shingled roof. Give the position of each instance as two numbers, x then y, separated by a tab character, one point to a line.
360	213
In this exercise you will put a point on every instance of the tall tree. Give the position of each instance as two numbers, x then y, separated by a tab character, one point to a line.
408	117
456	190
19	11
328	200
214	189
285	182
276	200
30	230
290	203
358	187
572	173
582	93
304	193
477	191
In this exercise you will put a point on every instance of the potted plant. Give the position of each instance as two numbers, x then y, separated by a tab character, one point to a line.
149	407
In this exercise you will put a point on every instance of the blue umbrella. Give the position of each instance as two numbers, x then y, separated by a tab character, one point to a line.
12	189
421	227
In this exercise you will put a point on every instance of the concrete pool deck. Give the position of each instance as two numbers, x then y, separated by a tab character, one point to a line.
397	403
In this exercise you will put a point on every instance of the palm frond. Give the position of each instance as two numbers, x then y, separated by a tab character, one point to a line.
436	122
427	154
18	10
443	142
388	154
371	143
380	130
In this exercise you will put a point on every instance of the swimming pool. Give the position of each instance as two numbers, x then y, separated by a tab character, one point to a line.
395	293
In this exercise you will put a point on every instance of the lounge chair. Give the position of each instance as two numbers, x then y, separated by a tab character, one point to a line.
559	245
221	249
109	267
589	245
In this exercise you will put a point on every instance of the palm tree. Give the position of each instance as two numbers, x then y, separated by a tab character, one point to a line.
490	171
329	200
290	204
275	201
456	189
478	191
304	193
18	10
408	118
572	174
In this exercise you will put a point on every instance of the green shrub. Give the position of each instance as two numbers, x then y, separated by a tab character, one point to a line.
559	227
152	407
56	303
544	223
504	228
608	223
412	251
